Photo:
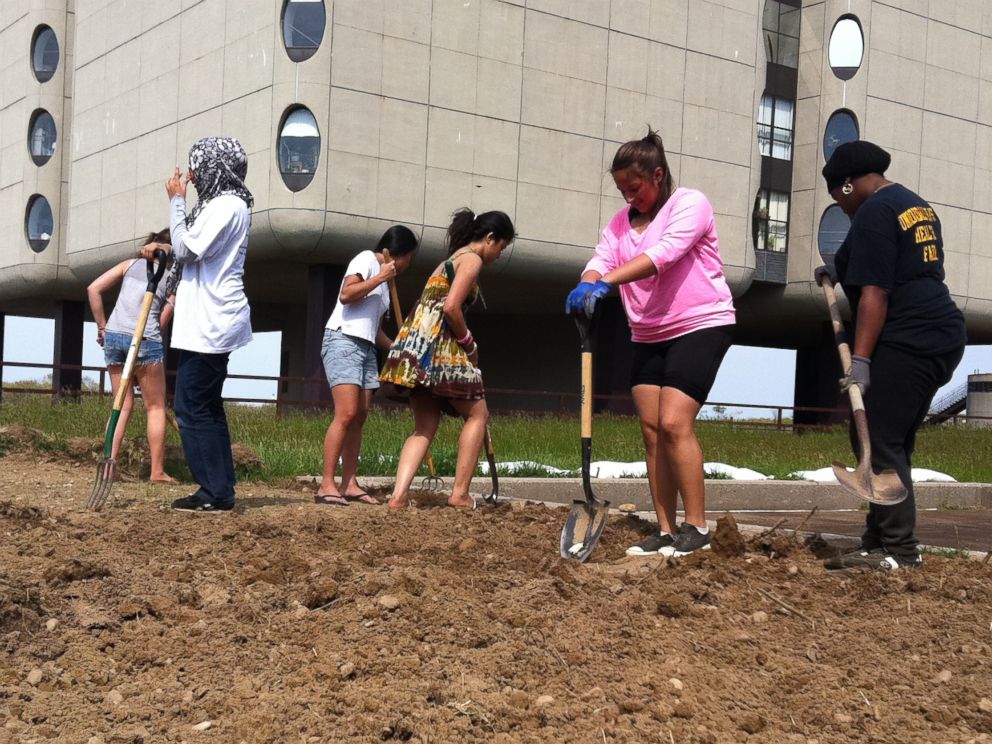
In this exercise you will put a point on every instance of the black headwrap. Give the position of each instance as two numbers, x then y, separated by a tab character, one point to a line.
220	165
853	159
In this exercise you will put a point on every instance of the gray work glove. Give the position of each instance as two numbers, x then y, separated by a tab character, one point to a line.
824	271
859	373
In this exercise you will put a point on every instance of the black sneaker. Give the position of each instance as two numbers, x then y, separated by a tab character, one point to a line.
689	540
652	544
195	504
878	559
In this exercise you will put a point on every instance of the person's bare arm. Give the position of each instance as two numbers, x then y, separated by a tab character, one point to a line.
94	293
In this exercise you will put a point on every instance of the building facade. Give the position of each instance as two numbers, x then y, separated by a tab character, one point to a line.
357	114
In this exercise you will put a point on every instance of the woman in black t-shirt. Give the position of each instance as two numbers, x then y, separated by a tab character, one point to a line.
908	333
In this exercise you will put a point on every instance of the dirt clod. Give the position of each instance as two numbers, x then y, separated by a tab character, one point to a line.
727	540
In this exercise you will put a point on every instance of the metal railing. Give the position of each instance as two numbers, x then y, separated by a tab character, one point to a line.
543	401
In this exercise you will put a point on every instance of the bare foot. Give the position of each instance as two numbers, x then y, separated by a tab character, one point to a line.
398	503
162	478
465	502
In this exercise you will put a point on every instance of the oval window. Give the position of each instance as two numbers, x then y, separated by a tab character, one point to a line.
841	127
847	47
834	225
44	53
299	148
42	137
303	27
39	223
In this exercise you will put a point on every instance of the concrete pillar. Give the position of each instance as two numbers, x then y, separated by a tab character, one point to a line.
612	356
817	372
3	322
68	348
302	336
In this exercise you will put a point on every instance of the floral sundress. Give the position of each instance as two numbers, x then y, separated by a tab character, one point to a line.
425	354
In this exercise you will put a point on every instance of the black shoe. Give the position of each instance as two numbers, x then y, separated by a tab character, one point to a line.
652	544
689	540
878	559
195	504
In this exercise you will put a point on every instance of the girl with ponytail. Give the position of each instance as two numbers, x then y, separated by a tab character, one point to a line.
661	250
436	359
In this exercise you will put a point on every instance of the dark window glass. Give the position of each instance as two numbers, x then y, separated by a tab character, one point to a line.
775	126
42	137
40	223
303	28
44	54
770	221
841	127
847	47
833	229
299	148
780	24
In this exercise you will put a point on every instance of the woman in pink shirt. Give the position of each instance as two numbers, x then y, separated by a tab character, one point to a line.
662	251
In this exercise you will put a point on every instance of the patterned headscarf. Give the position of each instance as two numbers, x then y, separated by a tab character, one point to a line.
220	165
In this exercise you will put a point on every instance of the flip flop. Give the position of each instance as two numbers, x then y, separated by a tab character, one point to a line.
329	499
362	498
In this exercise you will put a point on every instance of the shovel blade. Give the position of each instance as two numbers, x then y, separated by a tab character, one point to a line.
106	471
884	488
583	528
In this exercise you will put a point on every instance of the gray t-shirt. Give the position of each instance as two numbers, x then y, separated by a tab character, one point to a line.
124	317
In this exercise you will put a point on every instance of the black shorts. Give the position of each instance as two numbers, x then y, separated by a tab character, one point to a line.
688	363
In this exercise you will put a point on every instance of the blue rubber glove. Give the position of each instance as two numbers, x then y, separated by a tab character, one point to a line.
599	290
577	297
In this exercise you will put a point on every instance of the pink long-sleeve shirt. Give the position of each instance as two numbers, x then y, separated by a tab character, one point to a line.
689	292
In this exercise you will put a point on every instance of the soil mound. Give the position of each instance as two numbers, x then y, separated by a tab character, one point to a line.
288	621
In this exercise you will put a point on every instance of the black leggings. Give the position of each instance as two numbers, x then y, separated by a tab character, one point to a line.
902	387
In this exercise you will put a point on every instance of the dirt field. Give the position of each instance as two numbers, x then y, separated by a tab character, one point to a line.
290	622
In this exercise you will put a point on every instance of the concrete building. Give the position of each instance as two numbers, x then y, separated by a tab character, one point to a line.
357	114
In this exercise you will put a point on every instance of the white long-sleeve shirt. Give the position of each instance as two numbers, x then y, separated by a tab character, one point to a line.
212	314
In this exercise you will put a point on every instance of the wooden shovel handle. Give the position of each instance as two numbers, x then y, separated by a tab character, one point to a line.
843	349
395	297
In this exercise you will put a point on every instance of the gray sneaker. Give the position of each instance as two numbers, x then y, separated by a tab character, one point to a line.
689	540
651	545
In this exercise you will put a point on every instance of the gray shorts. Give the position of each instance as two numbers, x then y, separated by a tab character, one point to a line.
349	360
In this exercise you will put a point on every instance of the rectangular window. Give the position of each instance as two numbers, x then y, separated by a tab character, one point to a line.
772	221
781	33
775	124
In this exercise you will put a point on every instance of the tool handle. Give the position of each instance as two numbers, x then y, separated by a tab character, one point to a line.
843	349
154	273
395	297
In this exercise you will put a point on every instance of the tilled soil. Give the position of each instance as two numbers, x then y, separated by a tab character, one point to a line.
292	622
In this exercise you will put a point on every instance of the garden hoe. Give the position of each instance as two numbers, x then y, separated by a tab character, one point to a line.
587	519
106	468
432	482
491	458
883	488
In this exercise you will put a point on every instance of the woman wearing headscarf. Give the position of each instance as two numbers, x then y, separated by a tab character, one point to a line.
212	316
908	333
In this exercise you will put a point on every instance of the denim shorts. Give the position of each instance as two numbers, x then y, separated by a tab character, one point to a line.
116	345
349	360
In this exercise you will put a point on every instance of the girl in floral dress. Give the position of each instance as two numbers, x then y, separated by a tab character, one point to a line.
436	358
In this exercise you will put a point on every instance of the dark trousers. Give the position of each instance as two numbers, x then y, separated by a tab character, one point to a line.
902	387
203	423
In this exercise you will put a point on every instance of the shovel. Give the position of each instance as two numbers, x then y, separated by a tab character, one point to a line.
883	488
587	519
432	482
106	468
